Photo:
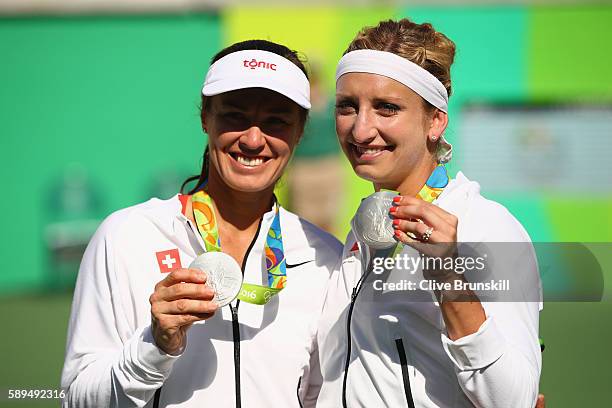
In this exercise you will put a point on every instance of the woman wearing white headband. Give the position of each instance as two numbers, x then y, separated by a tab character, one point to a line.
418	348
145	330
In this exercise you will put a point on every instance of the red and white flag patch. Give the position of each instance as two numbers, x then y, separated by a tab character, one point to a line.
169	260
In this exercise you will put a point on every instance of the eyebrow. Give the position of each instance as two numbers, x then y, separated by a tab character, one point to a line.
377	99
232	105
279	110
244	107
389	99
343	96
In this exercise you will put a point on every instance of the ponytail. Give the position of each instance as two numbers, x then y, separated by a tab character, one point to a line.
201	178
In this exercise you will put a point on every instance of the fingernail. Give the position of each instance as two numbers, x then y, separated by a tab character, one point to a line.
397	199
397	233
396	222
393	210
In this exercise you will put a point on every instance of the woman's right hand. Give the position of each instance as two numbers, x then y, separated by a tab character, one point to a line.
179	300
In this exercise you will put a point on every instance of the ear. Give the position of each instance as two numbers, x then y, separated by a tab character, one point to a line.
439	121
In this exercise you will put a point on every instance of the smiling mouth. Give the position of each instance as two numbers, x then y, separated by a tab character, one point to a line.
249	161
369	152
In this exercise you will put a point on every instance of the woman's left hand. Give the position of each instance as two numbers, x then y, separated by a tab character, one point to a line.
426	227
418	217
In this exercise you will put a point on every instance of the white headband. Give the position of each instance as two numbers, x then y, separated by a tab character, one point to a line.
258	69
405	72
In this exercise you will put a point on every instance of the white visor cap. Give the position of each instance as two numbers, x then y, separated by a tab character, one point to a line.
258	69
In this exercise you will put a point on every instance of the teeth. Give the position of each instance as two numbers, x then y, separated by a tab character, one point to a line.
364	150
250	162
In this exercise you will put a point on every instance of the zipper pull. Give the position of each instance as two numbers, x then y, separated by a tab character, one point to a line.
354	294
234	310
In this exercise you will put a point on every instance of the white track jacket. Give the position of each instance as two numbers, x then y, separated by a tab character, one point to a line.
261	357
400	355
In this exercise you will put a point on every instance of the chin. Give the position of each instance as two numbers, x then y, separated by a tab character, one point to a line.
366	172
248	185
376	177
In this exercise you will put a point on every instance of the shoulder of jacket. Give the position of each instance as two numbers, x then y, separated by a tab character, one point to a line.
132	217
495	221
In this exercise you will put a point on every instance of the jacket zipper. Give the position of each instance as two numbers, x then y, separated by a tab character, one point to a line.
156	397
236	324
298	392
236	336
354	295
399	344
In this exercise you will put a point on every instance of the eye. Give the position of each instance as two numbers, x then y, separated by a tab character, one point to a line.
387	108
345	108
277	121
233	116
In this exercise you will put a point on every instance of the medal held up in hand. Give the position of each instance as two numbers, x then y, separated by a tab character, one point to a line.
372	223
223	273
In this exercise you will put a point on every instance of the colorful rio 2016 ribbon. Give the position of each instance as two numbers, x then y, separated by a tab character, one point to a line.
204	214
435	184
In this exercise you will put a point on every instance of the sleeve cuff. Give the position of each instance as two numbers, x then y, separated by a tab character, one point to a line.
151	356
477	350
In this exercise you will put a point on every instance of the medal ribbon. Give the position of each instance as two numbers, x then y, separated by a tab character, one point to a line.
204	215
435	184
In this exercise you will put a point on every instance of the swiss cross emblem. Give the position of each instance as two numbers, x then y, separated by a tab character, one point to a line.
168	260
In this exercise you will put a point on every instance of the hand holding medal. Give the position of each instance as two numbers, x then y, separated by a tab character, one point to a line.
185	296
424	226
384	218
418	222
179	300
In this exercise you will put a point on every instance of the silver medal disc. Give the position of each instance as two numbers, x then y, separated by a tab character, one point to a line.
223	275
372	223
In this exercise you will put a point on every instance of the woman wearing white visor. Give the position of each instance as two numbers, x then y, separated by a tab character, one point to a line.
418	348
145	330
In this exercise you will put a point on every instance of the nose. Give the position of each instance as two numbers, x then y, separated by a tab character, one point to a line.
252	139
364	129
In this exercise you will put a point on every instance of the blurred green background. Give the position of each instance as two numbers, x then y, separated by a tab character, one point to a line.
100	111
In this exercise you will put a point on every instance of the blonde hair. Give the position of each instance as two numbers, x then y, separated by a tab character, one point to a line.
419	43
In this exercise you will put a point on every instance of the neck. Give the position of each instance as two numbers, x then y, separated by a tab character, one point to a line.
414	182
241	210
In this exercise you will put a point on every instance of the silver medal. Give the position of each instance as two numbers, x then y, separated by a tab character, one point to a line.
372	223
223	275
